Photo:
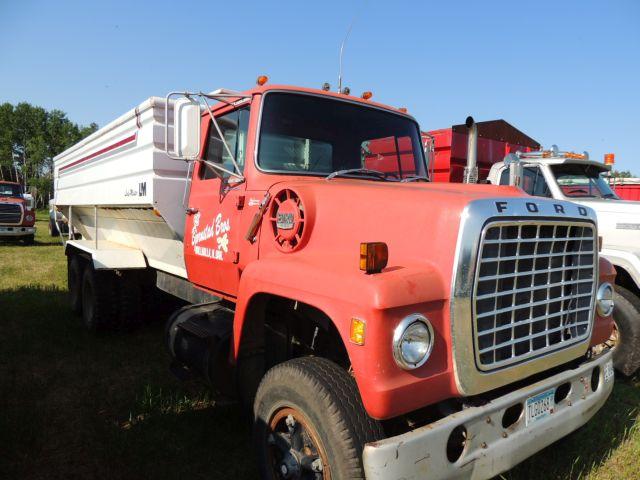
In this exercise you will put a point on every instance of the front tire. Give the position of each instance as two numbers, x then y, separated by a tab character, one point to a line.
626	315
310	422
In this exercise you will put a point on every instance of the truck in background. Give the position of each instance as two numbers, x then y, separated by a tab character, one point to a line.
377	324
17	215
626	188
563	176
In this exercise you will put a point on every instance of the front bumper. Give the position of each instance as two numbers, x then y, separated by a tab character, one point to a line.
491	449
16	231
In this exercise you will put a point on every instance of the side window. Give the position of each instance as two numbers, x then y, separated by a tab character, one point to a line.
504	177
533	182
234	126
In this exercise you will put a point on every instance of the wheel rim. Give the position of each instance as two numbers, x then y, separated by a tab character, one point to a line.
294	449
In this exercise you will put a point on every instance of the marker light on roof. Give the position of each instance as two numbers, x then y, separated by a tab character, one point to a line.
366	95
609	159
262	79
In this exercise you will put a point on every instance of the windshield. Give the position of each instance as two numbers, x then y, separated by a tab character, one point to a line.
10	190
311	135
580	181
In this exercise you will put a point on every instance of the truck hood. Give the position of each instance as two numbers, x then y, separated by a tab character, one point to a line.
618	222
419	222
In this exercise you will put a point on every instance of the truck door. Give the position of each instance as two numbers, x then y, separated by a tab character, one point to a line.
212	228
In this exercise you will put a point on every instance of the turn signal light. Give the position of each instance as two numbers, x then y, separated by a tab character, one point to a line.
609	158
357	330
367	95
262	79
373	256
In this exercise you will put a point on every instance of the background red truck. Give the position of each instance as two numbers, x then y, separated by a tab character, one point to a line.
376	323
17	217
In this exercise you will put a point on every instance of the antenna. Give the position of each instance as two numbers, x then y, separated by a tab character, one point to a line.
344	41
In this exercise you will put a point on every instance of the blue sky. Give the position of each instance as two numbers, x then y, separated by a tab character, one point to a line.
565	72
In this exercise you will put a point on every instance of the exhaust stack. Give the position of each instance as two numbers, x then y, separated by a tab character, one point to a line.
471	170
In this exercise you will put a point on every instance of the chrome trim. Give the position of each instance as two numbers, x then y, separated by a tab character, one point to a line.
473	219
560	317
399	331
600	297
22	212
347	100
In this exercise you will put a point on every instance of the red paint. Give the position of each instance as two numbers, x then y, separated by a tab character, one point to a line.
113	146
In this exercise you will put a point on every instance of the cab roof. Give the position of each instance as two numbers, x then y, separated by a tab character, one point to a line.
259	90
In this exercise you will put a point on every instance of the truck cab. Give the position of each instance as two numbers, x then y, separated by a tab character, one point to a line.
375	323
574	177
17	215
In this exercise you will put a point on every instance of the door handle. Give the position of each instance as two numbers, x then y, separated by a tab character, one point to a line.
192	210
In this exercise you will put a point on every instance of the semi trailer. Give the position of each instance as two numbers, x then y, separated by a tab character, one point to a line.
375	323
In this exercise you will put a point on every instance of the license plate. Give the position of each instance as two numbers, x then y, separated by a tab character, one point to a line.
539	406
608	371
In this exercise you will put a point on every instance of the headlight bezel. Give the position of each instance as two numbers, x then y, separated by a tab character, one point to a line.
398	336
607	309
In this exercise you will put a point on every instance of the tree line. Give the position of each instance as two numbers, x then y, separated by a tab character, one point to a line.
30	136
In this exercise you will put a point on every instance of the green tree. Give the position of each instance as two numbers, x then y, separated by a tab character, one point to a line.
30	137
621	174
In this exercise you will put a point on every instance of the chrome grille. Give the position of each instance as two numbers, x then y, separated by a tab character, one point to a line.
534	287
10	214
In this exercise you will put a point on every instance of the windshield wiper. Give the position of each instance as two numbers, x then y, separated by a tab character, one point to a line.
609	195
358	171
415	178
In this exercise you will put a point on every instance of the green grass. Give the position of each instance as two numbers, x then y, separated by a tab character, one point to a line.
79	405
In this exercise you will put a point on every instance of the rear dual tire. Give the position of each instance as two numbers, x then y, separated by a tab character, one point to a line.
99	299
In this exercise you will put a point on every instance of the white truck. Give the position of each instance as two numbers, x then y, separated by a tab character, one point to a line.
575	177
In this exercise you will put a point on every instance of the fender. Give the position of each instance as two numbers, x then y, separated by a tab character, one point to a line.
628	261
603	326
382	300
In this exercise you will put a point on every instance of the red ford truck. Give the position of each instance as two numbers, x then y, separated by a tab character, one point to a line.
377	324
17	217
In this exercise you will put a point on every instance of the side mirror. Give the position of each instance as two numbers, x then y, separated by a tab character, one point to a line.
186	128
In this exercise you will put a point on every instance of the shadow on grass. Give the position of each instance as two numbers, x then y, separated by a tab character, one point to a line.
77	405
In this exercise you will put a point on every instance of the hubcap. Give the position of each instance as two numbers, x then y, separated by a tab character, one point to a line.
294	447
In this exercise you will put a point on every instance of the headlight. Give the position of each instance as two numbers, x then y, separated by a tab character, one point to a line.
412	341
604	300
29	218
